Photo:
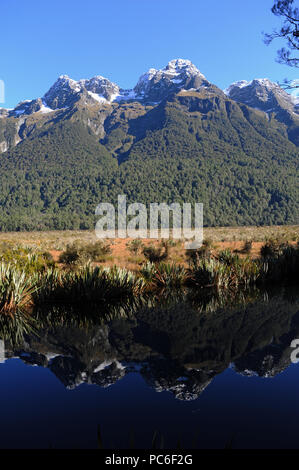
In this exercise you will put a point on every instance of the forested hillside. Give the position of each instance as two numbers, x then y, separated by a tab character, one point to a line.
195	145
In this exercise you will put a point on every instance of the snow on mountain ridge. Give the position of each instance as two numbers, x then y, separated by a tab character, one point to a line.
152	87
177	74
256	81
177	66
174	71
262	94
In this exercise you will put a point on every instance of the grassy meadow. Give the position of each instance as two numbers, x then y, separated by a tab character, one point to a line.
42	268
233	238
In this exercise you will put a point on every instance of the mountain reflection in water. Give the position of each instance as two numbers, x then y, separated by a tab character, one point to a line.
179	344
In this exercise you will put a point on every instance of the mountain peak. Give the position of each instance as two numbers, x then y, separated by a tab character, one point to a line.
63	93
262	94
152	87
155	84
100	88
263	82
67	81
179	65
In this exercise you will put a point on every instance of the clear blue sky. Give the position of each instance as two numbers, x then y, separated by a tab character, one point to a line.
121	39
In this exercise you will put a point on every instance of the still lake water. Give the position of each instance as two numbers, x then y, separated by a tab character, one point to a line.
201	373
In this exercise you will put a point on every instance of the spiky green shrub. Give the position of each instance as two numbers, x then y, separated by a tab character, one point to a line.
166	275
283	268
77	254
87	285
94	251
204	252
203	273
122	281
247	247
227	257
25	258
135	246
156	254
14	326
147	271
226	272
273	248
244	272
16	289
70	256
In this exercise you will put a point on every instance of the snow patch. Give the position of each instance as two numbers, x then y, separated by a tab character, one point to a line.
45	108
124	95
239	84
105	364
97	97
50	355
256	81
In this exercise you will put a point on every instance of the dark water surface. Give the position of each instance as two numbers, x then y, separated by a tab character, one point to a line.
199	373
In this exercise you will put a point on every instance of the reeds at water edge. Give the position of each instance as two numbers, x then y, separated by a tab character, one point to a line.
27	286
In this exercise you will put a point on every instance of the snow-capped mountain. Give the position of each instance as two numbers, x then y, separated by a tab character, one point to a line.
178	74
30	107
66	91
63	93
100	88
262	94
152	87
118	118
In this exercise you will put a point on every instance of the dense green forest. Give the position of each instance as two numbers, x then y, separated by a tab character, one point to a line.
189	148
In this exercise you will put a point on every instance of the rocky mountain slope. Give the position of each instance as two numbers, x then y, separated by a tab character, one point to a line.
269	97
174	137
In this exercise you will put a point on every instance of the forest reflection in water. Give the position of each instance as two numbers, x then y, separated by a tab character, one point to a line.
177	342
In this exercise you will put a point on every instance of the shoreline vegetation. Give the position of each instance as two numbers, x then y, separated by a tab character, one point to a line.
31	278
58	239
